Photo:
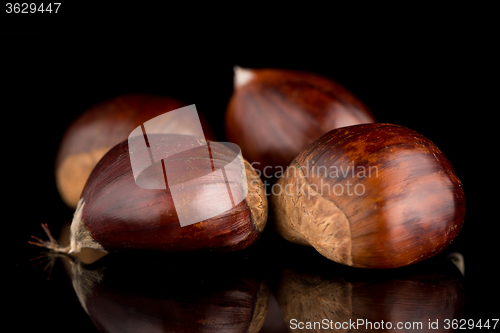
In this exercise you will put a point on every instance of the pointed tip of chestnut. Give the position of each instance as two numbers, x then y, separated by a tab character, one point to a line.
80	236
242	76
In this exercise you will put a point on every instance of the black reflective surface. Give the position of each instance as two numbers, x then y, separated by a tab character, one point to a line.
433	72
265	288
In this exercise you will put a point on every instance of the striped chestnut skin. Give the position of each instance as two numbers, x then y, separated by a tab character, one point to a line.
103	126
273	114
115	214
372	196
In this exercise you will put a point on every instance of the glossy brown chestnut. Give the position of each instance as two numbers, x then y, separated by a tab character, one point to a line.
273	114
100	128
372	195
114	213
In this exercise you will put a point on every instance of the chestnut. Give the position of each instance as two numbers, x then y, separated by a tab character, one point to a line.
274	113
371	195
119	211
101	127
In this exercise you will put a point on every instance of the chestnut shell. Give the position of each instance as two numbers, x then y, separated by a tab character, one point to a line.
273	114
101	127
409	208
114	213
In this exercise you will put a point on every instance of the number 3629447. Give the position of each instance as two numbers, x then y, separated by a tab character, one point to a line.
31	8
470	324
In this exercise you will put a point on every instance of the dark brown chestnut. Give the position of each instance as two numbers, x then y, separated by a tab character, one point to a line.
372	195
273	114
103	126
115	213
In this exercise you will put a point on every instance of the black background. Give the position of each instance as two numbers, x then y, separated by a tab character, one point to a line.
433	70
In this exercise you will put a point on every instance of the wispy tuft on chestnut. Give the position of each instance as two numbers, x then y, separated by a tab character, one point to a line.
372	196
273	113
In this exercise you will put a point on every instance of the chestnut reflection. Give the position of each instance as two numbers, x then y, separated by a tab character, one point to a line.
334	296
176	293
